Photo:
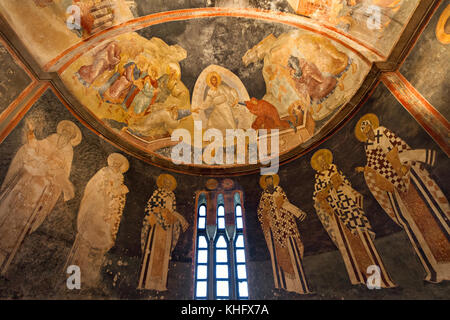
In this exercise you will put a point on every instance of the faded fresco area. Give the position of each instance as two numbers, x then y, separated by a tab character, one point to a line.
432	52
377	23
47	25
13	79
42	24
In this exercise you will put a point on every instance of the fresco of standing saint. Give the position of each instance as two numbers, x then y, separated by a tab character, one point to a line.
99	218
277	217
397	178
160	232
37	176
340	209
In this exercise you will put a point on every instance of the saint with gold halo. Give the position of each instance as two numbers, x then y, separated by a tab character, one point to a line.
160	233
340	209
38	176
99	218
396	175
277	217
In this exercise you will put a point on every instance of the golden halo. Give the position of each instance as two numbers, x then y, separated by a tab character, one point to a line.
228	184
212	184
166	177
213	74
262	180
66	124
326	154
118	157
375	124
442	36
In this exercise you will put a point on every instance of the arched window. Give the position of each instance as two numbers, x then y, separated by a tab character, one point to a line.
202	252
220	257
239	247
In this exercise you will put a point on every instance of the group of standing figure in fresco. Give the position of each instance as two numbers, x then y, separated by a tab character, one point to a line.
149	92
40	173
395	174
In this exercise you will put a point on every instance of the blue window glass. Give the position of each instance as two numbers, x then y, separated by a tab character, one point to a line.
220	263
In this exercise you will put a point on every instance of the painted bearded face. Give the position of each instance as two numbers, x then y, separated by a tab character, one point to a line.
367	129
214	81
64	138
116	165
322	163
166	184
269	184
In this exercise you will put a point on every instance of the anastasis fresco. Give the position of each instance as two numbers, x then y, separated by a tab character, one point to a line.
134	85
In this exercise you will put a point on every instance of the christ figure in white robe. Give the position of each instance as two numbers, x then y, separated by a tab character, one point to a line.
220	99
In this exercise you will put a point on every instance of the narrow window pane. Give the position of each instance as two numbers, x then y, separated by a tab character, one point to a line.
202	243
239	223
201	223
221	243
221	211
202	256
238	211
222	289
221	255
202	211
222	271
201	289
241	272
221	223
243	289
240	256
240	241
202	272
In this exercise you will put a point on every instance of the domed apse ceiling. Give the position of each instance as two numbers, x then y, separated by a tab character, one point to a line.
136	71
